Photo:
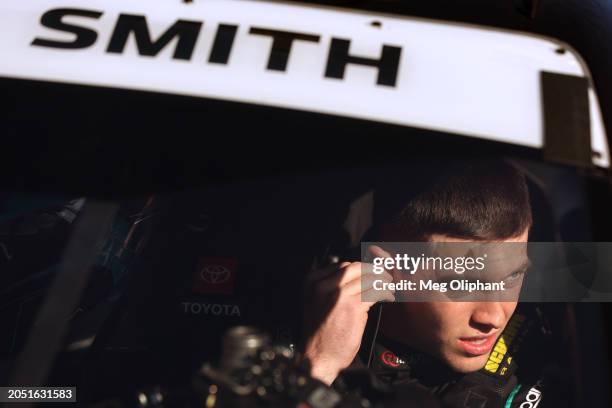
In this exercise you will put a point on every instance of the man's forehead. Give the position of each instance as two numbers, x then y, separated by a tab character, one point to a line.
495	249
500	256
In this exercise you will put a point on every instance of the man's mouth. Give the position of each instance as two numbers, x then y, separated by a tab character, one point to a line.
477	345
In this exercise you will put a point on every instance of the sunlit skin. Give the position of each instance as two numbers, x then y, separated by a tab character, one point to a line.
460	334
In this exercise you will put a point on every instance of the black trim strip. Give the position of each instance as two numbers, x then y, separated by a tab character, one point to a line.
567	124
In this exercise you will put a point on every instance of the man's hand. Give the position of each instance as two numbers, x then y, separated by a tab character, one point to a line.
336	316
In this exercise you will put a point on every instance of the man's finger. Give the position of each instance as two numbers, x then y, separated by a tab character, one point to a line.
381	253
371	297
358	271
366	282
378	252
339	278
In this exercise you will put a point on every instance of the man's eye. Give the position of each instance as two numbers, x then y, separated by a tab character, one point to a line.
515	276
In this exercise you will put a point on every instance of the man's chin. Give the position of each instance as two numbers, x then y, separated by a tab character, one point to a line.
462	364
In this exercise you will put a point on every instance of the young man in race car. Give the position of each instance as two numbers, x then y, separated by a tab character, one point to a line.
465	353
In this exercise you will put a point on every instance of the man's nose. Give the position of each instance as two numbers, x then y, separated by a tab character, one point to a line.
488	316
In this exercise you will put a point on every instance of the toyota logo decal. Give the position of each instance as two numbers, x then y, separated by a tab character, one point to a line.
215	274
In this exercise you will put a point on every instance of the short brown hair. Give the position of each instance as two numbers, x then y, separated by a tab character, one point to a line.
478	200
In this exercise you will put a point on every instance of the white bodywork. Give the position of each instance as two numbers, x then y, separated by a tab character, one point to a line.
454	78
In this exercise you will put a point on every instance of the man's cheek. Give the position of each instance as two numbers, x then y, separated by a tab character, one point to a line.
509	308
